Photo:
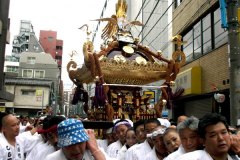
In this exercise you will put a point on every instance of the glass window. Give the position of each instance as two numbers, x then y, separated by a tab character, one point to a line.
177	3
28	93
12	69
197	43
207	34
27	73
188	46
50	39
39	74
31	60
220	35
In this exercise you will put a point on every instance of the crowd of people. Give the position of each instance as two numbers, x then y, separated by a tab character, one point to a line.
60	138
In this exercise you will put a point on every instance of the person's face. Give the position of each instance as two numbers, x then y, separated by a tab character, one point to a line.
121	132
190	139
131	138
74	152
115	136
53	138
140	134
109	138
172	141
159	144
217	139
149	128
10	125
181	119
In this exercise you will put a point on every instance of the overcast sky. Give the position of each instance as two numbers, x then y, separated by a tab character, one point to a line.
63	16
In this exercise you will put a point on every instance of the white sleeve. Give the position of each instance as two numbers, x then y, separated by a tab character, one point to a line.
129	153
1	154
28	140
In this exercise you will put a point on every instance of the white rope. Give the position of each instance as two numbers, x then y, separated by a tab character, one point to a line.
129	85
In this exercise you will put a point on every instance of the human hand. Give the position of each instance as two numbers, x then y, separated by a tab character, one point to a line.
235	143
29	128
91	143
93	146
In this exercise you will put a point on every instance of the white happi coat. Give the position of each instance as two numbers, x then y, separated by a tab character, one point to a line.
103	144
122	152
58	155
151	155
114	148
40	151
137	152
24	144
198	155
175	155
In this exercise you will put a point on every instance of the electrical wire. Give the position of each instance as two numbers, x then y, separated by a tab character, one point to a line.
150	16
158	20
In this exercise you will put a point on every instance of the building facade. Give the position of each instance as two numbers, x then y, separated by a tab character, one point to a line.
206	71
31	95
52	45
26	40
36	85
4	39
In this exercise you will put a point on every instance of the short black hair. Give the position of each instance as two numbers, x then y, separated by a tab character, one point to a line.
210	119
152	120
2	115
138	123
168	130
52	120
128	124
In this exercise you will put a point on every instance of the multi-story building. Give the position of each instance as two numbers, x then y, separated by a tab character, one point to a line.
52	45
26	40
4	39
11	66
34	63
36	84
207	62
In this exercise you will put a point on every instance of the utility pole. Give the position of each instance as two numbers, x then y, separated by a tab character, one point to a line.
234	59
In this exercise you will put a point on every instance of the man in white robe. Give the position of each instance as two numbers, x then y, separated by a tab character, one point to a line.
159	150
188	133
214	131
47	145
120	127
137	152
76	142
12	144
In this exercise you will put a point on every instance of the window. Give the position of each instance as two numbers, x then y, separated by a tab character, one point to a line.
11	59
204	36
188	47
28	92
197	40
31	60
12	69
220	35
39	74
27	73
50	39
177	3
207	38
36	48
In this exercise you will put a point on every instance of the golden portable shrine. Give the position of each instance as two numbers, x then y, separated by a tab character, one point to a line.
120	69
